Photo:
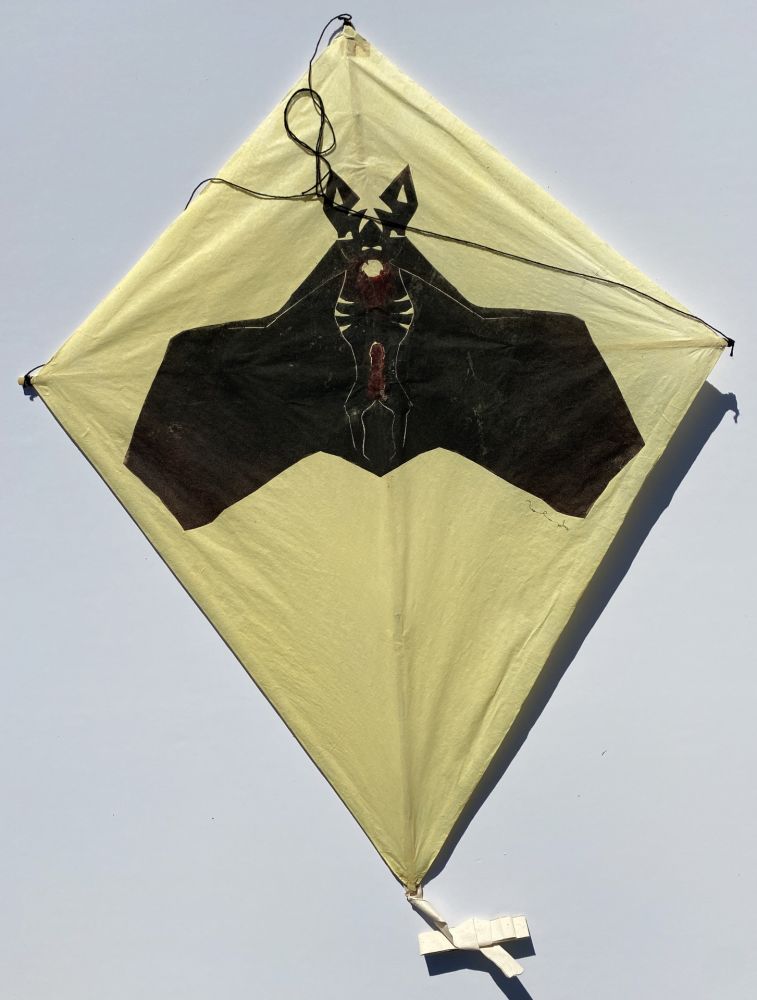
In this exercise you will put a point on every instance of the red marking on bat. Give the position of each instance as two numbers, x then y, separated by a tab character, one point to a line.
376	388
375	290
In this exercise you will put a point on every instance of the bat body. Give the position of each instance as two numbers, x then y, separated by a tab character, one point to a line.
376	358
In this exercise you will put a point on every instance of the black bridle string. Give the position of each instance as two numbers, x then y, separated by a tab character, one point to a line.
316	192
321	150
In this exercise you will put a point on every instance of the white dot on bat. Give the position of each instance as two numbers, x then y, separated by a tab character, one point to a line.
372	268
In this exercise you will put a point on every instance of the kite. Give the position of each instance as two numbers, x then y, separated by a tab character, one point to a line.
383	432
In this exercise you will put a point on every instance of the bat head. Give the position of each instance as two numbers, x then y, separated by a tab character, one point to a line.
365	232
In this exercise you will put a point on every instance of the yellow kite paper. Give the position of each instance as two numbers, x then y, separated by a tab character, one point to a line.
385	466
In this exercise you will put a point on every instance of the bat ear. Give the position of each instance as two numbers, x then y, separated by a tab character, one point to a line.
402	200
338	201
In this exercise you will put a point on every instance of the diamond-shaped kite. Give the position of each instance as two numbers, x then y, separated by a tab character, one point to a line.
385	465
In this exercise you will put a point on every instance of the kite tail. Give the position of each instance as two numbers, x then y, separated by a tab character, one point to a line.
475	934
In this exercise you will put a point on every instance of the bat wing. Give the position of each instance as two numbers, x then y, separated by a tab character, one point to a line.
525	394
233	405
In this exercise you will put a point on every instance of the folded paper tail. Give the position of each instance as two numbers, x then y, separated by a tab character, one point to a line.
475	934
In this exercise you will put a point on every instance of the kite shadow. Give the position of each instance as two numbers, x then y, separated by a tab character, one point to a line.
454	961
703	417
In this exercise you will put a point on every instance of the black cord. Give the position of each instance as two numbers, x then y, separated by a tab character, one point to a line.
444	237
316	192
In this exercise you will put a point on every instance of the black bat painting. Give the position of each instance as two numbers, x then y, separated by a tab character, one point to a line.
376	358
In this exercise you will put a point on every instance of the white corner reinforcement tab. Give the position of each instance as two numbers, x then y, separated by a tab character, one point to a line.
475	934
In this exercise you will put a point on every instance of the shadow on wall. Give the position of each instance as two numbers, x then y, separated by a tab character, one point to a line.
705	414
453	961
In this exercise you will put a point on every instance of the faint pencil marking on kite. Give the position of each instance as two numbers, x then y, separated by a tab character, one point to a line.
559	524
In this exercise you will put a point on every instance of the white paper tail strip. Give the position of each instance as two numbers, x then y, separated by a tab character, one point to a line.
474	934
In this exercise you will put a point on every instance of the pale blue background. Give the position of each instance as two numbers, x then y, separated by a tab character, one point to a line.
162	835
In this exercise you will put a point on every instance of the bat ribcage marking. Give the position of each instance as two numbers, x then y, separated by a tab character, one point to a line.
374	317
